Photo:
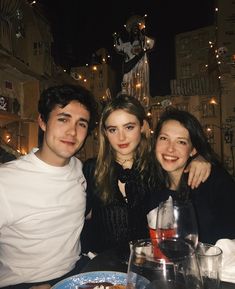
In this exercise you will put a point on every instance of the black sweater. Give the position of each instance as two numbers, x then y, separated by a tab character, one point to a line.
120	221
214	203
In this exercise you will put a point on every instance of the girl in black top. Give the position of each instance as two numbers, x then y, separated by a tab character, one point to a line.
117	181
177	139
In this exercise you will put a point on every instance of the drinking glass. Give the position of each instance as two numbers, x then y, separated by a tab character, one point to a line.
210	263
176	266
177	219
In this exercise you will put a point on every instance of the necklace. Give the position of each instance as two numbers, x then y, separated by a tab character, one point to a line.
122	162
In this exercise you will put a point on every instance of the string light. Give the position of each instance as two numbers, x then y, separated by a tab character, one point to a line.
33	2
213	101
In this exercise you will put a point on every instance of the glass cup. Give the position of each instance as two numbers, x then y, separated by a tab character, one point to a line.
163	263
177	219
210	262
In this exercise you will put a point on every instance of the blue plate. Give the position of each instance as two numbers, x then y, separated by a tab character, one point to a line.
96	276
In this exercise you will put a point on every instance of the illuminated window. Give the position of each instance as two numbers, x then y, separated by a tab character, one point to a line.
208	110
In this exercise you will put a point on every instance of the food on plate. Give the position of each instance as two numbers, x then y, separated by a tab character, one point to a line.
100	285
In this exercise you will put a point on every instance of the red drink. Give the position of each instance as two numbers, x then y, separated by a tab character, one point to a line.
163	234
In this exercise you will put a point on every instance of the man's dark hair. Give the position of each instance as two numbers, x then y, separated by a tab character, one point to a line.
62	95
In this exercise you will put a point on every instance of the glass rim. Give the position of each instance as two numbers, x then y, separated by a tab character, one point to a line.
208	246
150	241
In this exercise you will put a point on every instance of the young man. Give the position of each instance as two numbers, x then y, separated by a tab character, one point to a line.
42	195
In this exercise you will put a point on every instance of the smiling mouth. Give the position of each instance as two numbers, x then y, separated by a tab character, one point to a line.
169	158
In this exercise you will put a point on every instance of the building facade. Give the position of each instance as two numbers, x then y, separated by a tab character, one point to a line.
25	57
26	68
205	79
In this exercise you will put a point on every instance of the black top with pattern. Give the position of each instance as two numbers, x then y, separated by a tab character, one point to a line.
116	223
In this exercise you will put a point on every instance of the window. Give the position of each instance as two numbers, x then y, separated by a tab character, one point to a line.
37	48
186	71
208	110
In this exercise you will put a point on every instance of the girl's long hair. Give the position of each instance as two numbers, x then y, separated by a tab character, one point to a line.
104	172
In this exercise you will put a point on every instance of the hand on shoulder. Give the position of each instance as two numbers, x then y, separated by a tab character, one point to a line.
199	170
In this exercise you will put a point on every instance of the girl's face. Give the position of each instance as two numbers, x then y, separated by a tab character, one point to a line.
123	131
173	147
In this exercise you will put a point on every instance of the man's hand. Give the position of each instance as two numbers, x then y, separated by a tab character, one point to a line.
199	170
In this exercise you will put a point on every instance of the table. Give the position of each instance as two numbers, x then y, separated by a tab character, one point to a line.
107	261
110	261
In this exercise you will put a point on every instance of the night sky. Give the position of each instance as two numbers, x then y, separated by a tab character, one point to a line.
81	27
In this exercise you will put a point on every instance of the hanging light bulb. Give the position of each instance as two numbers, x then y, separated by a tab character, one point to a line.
213	101
8	137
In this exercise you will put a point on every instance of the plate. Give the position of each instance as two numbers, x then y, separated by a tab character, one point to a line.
96	276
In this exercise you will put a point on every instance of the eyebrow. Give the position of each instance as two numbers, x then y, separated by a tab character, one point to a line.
126	124
178	137
69	115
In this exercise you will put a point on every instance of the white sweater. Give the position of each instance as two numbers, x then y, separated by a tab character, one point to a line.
42	211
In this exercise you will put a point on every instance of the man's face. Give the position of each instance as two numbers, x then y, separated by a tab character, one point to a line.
64	133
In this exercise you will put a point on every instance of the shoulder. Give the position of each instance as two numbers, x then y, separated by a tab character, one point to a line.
219	172
8	164
16	172
15	164
75	162
219	181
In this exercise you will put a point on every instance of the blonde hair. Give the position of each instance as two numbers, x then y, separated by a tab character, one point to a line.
104	172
